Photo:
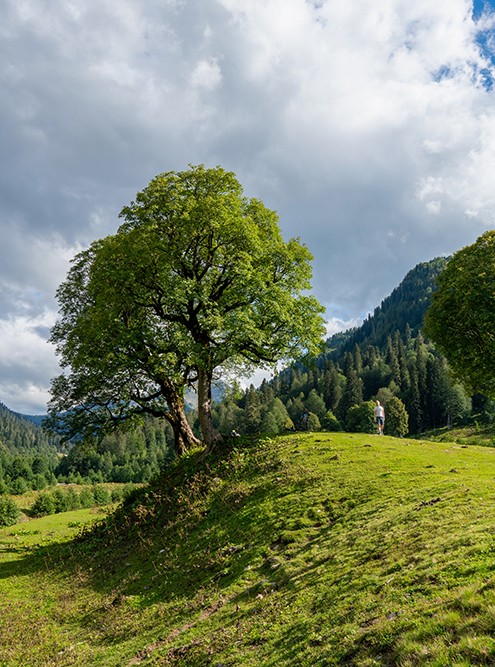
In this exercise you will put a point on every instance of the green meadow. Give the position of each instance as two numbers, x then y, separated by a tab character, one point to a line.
304	549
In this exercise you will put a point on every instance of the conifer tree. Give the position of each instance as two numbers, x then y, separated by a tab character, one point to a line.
422	387
352	393
252	417
404	372
284	384
310	383
358	362
433	402
395	368
414	404
332	391
408	333
348	363
370	356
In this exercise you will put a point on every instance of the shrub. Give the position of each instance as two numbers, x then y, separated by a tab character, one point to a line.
39	481
72	500
396	418
360	419
289	424
128	489
9	512
43	505
313	422
60	500
331	423
117	495
86	498
101	495
19	486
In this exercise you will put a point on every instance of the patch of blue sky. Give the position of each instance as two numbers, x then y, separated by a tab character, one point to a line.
480	5
485	39
443	72
485	77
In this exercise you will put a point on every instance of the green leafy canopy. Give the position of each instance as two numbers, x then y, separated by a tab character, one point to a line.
461	317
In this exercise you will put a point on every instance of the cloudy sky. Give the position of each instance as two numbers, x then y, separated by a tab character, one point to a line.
369	127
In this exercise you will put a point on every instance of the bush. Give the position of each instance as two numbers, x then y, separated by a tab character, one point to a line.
39	481
128	489
289	425
60	500
72	500
313	422
86	498
117	495
331	423
360	419
19	486
9	512
101	495
43	505
396	418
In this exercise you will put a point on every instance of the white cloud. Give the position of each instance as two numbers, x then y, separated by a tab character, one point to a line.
434	206
206	75
26	363
337	324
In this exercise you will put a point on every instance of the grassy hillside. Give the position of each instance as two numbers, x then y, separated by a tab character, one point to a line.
322	549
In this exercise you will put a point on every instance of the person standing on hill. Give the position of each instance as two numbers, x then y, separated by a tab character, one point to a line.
379	413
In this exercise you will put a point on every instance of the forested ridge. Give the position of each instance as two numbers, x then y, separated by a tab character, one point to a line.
20	435
403	310
30	458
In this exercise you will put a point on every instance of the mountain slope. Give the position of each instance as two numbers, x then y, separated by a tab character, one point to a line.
402	311
20	435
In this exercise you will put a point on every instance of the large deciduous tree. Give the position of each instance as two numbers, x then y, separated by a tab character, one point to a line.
196	279
461	317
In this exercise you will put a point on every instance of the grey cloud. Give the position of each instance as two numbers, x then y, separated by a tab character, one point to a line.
336	118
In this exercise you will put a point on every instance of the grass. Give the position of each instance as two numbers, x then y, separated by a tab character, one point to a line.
307	549
480	434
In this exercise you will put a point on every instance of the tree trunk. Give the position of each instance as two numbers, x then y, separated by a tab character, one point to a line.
211	436
184	437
